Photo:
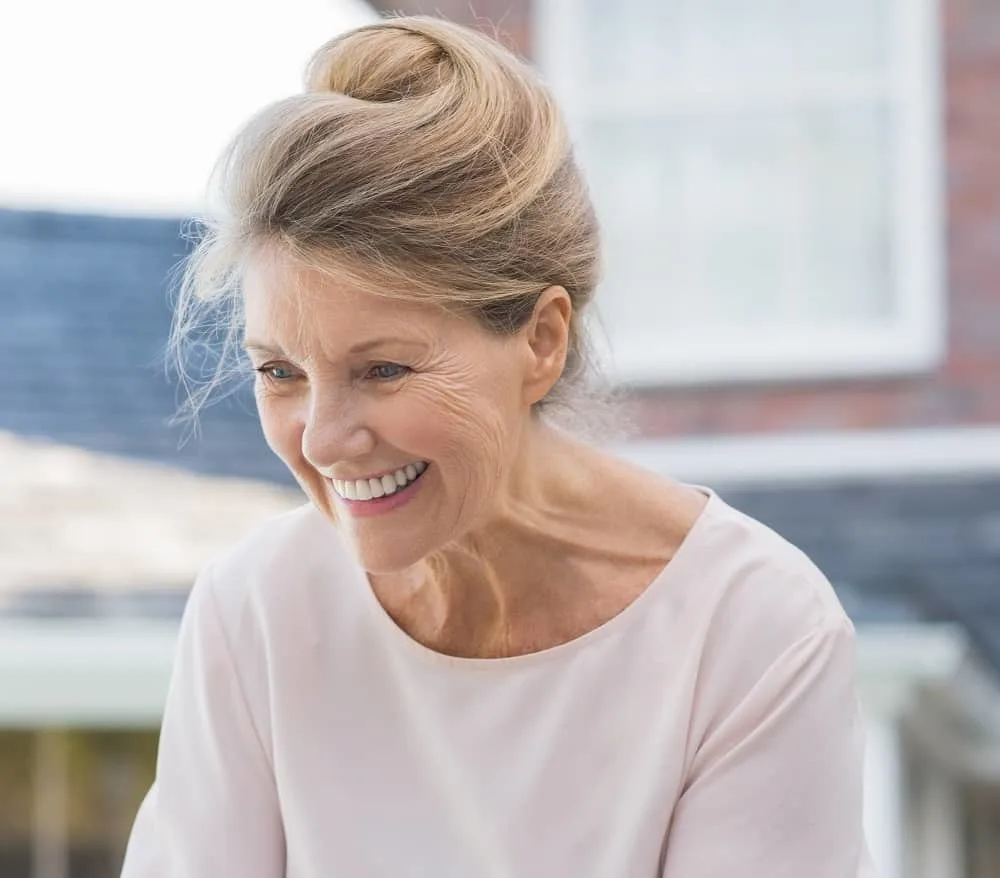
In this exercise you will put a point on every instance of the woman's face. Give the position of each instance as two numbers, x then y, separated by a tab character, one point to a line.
401	422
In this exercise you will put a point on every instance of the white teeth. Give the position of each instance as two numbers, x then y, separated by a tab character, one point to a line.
373	488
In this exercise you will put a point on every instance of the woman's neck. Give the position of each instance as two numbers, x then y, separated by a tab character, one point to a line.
562	551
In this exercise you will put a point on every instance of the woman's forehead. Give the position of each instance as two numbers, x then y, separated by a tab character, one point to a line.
277	288
271	278
294	307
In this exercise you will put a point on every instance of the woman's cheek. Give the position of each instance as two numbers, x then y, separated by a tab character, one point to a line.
281	428
453	419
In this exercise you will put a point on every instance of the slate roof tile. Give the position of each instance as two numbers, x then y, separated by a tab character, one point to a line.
85	321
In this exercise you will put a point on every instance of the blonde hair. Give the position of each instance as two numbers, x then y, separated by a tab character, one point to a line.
426	161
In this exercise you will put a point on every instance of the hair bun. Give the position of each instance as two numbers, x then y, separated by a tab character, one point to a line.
390	60
443	102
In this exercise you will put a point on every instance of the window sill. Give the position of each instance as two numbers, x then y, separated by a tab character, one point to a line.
747	357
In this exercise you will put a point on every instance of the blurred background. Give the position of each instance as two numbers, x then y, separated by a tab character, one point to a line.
801	204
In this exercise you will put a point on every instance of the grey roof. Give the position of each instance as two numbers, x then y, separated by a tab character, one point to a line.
898	550
85	317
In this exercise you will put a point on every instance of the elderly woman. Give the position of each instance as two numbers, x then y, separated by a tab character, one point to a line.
484	648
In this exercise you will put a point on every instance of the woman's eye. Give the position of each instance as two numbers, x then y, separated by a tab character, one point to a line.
276	372
386	372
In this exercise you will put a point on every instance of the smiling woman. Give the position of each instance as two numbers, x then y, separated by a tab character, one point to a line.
485	647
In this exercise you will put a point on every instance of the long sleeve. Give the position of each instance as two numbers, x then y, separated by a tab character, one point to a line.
775	791
212	810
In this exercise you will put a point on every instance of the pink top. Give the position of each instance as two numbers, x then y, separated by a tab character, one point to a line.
709	730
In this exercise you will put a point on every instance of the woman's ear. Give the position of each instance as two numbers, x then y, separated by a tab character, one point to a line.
547	334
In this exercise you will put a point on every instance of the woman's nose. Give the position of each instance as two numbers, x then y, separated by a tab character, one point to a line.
334	432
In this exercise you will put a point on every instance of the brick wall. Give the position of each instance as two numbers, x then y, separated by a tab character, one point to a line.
966	390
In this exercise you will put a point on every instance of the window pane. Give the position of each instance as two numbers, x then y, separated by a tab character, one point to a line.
770	38
642	43
743	217
633	42
848	185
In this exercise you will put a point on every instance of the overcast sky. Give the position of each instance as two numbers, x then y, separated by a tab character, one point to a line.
122	106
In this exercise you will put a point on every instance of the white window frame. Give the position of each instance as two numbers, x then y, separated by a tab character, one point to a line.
915	340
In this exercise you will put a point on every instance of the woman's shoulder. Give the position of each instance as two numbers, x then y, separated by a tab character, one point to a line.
748	598
759	626
758	569
717	552
721	563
